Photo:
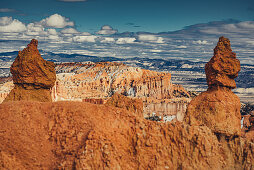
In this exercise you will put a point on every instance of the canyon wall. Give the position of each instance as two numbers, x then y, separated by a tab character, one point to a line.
97	82
82	82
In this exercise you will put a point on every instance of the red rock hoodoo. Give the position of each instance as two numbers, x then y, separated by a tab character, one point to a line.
218	107
81	135
32	75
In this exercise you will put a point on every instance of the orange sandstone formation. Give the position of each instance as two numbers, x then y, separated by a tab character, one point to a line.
32	75
101	80
218	108
79	135
121	101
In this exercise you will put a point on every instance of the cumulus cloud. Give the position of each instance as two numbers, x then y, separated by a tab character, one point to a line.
246	24
126	40
7	24
108	40
106	30
57	21
52	31
82	38
150	38
201	42
69	31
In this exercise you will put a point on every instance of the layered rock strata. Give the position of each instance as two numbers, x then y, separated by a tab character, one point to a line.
86	82
102	80
33	77
218	108
96	82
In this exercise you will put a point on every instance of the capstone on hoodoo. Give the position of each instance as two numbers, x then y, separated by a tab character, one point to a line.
218	107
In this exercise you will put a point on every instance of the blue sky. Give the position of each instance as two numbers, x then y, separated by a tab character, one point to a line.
132	15
184	29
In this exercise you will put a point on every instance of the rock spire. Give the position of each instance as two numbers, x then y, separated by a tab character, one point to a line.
32	75
218	107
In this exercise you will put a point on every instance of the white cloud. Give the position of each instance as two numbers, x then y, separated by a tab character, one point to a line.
245	90
69	31
54	37
5	21
126	40
201	42
35	29
156	51
7	24
106	30
85	33
246	24
90	38
52	31
57	21
181	46
108	40
150	38
160	40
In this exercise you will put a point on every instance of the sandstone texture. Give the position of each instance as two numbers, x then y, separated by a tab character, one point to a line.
121	101
89	81
79	135
97	82
223	66
33	76
218	108
102	80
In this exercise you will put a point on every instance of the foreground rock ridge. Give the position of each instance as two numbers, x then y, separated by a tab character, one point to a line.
76	135
82	135
218	108
33	76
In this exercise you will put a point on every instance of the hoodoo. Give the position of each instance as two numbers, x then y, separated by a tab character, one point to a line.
32	76
218	107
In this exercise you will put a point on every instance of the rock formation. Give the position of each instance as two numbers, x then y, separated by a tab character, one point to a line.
121	101
218	108
79	135
32	75
97	82
102	80
84	82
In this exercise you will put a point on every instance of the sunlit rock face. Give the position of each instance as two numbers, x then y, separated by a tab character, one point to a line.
102	80
87	82
33	76
218	107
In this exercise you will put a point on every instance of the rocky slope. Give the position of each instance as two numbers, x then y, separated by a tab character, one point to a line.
32	76
89	136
